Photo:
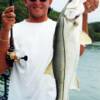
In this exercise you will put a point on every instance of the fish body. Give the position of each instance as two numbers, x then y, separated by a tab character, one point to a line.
66	49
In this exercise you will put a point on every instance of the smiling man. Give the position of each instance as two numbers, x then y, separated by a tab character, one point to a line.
32	37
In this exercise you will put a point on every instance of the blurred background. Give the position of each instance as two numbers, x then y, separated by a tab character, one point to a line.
89	65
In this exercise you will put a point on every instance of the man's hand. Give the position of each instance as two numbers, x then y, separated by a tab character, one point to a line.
8	17
91	5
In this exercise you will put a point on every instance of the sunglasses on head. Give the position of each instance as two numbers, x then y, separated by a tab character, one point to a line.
39	0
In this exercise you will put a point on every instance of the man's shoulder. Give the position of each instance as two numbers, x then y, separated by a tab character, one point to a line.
52	23
19	23
24	23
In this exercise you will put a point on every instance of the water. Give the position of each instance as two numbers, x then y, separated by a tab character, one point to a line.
89	74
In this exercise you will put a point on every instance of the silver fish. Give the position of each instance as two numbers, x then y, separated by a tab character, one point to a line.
67	47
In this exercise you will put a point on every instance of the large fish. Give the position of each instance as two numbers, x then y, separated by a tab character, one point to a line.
67	46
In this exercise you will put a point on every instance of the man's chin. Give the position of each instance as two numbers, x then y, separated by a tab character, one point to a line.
36	16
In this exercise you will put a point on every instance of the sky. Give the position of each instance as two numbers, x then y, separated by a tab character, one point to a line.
93	16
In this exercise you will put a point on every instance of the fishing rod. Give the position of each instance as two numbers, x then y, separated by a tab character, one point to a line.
11	57
11	49
9	61
11	54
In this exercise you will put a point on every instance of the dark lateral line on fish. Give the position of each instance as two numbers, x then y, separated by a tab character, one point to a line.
71	19
64	60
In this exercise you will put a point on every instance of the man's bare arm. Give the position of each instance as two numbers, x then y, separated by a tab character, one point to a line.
8	19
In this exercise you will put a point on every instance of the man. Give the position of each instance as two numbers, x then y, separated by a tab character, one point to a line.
32	37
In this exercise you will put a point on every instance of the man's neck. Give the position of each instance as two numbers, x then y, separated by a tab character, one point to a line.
37	20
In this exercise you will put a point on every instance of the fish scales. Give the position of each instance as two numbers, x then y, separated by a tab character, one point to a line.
66	52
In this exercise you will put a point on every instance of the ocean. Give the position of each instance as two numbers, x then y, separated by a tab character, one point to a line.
89	74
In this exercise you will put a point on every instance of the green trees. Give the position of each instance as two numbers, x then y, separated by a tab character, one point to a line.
21	13
94	31
20	9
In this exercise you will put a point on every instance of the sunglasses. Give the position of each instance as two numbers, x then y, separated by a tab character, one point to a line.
39	0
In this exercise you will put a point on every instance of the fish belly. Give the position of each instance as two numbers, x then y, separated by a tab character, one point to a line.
66	54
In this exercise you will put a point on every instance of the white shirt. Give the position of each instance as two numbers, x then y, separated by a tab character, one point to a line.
28	81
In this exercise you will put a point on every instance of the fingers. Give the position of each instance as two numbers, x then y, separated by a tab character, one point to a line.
9	12
8	17
96	3
9	9
91	5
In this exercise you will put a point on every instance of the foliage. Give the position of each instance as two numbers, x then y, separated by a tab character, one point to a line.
21	13
94	31
20	9
53	15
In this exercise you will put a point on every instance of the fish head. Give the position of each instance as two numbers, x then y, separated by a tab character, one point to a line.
73	9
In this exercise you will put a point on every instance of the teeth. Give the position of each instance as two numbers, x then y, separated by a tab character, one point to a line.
36	8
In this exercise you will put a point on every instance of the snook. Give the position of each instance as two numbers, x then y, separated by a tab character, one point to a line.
67	46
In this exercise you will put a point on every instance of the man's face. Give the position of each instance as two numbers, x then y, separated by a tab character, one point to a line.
37	8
